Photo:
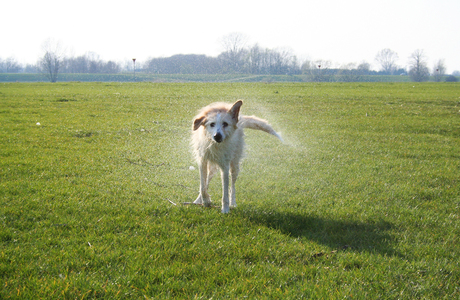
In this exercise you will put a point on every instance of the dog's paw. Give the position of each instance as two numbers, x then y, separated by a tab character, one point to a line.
198	200
203	201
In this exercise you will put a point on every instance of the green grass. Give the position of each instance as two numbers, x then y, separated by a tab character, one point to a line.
362	201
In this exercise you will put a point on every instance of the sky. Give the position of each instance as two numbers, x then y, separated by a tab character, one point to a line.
338	31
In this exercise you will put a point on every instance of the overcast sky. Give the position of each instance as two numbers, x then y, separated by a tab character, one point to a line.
335	30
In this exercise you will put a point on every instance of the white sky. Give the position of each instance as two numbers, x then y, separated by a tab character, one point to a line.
335	30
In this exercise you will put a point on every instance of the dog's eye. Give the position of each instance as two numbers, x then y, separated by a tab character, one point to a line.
225	124
212	124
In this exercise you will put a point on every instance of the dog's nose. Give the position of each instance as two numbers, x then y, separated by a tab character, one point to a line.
218	137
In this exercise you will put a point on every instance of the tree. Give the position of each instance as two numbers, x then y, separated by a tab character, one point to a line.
50	62
418	69
307	67
284	62
451	78
255	61
234	51
439	70
387	59
349	73
30	69
183	64
49	65
111	67
364	67
75	65
12	66
94	62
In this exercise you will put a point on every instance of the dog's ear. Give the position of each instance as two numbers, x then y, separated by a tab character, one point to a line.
235	110
198	122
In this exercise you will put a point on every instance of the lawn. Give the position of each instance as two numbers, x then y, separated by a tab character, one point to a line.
361	201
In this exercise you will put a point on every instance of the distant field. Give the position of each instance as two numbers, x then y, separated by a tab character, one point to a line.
140	77
362	201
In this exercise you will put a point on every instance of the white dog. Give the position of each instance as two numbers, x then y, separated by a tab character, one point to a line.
218	141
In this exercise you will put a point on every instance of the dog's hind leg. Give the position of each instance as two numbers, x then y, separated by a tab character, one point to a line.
203	197
212	169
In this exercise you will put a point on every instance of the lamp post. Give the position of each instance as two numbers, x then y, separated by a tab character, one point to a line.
319	78
134	68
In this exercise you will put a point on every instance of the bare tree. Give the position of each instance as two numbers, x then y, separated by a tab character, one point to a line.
387	59
51	61
364	67
285	62
11	65
439	70
234	50
418	69
255	61
307	67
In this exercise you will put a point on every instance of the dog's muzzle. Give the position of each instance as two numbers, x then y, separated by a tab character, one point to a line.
218	137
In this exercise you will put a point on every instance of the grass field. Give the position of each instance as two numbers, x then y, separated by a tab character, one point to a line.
362	201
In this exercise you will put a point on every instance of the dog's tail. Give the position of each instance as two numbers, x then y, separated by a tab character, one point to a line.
253	122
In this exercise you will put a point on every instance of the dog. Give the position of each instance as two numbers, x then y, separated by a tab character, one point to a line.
218	142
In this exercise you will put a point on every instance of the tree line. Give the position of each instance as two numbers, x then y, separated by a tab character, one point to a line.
236	58
256	61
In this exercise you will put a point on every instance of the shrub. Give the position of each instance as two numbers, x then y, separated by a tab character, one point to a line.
451	78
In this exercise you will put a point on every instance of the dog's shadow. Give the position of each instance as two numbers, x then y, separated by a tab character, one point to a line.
373	236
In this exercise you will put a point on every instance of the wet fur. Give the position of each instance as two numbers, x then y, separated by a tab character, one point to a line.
218	142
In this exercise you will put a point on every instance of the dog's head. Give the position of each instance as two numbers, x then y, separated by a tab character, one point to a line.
219	120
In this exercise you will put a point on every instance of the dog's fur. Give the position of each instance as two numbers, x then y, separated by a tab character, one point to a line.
218	141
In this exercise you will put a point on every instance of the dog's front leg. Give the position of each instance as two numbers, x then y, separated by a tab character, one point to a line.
203	197
234	170
225	183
